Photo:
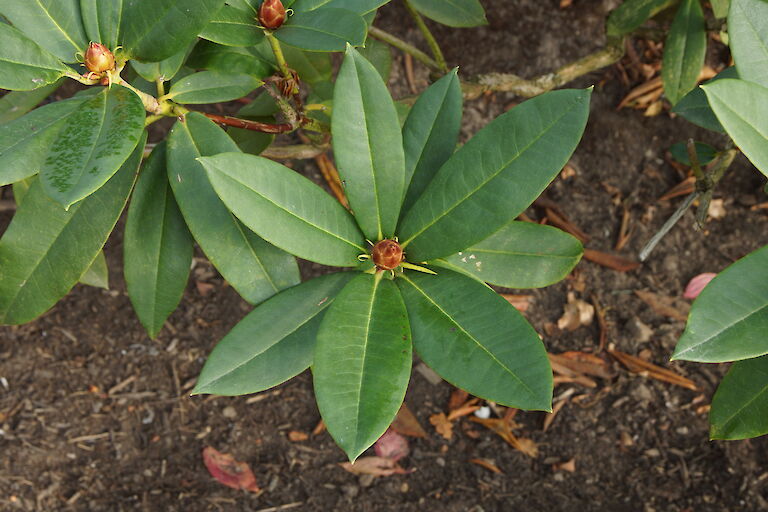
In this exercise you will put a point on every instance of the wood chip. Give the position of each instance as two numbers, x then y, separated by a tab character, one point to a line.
549	418
646	369
665	306
610	261
520	302
442	425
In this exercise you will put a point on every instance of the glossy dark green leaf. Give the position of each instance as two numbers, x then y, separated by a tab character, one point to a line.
233	27
695	107
286	208
26	142
154	33
157	246
323	30
97	274
312	67
704	152
684	51
476	340
720	8
521	255
101	19
165	69
633	13
368	147
24	65
729	319
362	362
454	13
212	87
225	59
15	104
748	38
46	250
496	175
740	405
274	343
98	137
357	6
380	55
254	268
430	134
55	25
742	109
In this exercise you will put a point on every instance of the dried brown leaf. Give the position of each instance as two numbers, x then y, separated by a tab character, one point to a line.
520	302
442	425
642	367
227	471
376	466
406	423
665	306
577	313
490	466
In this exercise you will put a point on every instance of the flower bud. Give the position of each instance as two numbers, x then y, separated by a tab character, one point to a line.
387	255
272	14
99	59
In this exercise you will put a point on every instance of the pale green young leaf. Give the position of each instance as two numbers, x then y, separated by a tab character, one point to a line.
684	51
748	38
212	87
25	66
97	274
101	20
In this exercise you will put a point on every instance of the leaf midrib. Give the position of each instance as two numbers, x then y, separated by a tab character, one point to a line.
362	360
477	342
490	177
728	327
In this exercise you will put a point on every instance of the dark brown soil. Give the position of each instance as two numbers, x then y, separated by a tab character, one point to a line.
71	440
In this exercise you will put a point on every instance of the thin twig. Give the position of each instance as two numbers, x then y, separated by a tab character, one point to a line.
405	47
651	245
431	41
297	152
245	124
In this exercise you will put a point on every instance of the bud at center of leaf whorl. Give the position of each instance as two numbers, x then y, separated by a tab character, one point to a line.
99	59
272	14
387	255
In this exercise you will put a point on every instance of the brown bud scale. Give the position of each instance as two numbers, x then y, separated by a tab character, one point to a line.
272	14
387	255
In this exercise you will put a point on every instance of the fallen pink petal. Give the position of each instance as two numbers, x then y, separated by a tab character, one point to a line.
697	284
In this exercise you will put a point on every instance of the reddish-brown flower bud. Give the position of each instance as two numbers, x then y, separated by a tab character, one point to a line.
387	255
272	14
99	59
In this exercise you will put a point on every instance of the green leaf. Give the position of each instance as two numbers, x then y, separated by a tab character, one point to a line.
26	142
729	319
212	87
274	343
157	246
323	30
720	8
748	39
164	69
97	274
154	33
684	51
312	67
224	59
357	6
46	250
633	13
101	19
25	66
254	268
20	189
286	208
430	134
454	13
233	27
15	104
362	362
55	25
742	109
476	340
521	255
368	147
95	142
496	175
695	107
380	55
740	405
704	152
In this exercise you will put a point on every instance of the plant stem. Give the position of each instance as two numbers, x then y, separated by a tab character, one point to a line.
151	104
279	57
431	41
160	87
651	245
408	48
297	152
249	125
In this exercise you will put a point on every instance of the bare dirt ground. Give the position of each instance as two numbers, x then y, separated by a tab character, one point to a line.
96	416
